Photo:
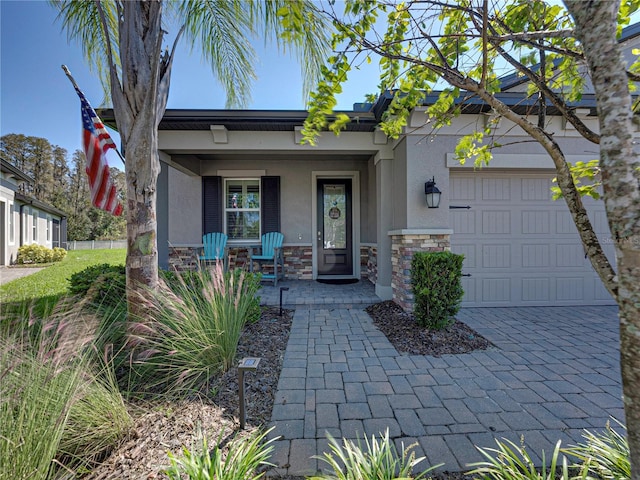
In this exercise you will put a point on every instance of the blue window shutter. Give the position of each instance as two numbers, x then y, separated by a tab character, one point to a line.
212	210
270	203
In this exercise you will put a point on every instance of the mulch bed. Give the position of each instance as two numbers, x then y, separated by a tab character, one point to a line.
163	426
407	336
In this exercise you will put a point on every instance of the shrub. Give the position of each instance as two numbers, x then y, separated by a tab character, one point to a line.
194	331
111	288
437	287
379	460
243	458
28	254
58	254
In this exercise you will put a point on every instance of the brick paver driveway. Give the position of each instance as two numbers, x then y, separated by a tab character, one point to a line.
553	372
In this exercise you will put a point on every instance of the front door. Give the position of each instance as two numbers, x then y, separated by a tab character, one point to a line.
334	229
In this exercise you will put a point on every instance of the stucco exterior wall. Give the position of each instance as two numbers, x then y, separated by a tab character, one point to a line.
185	208
399	182
185	201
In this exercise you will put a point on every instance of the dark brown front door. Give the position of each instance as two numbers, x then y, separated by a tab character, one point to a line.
334	229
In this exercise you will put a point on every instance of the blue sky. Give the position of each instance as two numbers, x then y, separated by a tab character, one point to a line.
37	99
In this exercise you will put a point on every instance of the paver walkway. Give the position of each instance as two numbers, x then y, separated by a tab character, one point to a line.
553	372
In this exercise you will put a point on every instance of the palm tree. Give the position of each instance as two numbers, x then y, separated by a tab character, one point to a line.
124	41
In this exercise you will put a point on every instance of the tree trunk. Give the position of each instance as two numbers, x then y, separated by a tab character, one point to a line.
137	114
620	163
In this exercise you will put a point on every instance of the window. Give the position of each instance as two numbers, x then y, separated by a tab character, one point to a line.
34	216
12	225
48	228
242	209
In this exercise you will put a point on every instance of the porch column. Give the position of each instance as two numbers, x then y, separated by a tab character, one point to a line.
384	214
404	243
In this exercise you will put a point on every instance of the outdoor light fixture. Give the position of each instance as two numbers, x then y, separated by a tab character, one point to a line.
247	364
432	193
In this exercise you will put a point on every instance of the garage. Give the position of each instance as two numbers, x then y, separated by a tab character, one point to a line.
520	246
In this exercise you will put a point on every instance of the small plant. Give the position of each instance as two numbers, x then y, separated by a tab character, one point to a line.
512	462
34	253
195	329
34	407
604	455
98	420
55	409
436	282
378	460
241	461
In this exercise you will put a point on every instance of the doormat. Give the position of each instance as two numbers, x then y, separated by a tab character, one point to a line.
338	281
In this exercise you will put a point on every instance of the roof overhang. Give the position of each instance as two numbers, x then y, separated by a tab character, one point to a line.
39	205
245	120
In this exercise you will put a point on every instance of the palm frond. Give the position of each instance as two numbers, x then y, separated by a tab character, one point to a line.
221	29
297	24
81	20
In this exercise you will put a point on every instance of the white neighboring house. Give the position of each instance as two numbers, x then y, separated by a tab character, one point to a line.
25	220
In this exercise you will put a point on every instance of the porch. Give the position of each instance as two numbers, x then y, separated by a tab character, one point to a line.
310	292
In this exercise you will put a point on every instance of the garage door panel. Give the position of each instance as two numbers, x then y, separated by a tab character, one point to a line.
469	287
520	247
496	256
464	222
469	252
570	255
497	222
496	290
536	189
564	222
496	189
570	288
536	222
535	289
535	256
463	188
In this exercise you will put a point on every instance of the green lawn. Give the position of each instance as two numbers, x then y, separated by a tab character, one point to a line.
52	282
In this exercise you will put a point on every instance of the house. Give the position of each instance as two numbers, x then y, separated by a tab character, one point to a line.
25	220
354	205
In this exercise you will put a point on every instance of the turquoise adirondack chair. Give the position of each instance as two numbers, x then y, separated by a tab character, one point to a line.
271	252
215	249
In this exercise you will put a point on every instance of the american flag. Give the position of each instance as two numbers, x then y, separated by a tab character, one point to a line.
96	141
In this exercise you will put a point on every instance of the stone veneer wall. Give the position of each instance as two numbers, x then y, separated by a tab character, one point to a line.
369	263
403	246
297	260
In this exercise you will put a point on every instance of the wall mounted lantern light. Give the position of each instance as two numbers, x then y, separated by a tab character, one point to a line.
432	193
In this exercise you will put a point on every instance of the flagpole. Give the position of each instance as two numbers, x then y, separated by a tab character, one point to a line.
75	85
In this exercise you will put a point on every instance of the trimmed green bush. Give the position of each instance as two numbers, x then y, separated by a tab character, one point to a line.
106	284
437	287
30	254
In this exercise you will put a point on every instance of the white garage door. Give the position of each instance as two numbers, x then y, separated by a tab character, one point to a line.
520	246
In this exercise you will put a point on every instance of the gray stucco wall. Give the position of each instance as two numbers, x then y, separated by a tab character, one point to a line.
185	197
399	169
185	208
